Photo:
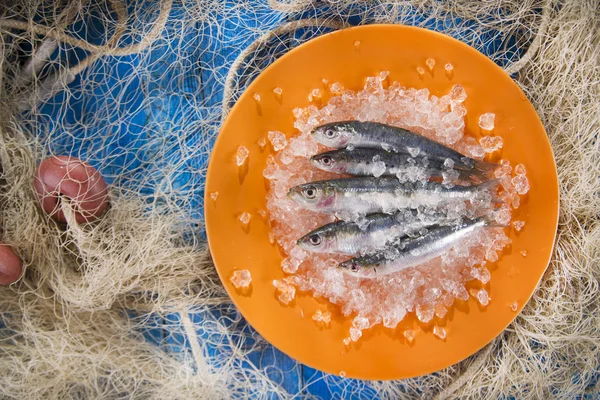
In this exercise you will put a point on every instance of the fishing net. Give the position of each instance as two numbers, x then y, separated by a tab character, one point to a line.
131	306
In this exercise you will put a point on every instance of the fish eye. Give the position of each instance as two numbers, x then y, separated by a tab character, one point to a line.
330	133
315	240
354	267
310	192
326	160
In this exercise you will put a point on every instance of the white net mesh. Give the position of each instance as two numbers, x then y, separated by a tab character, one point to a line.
131	306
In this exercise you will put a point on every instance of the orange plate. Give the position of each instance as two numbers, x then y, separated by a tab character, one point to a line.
381	353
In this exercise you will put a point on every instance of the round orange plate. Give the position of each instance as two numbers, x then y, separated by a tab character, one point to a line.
381	353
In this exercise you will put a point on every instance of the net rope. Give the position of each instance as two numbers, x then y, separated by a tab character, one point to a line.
131	306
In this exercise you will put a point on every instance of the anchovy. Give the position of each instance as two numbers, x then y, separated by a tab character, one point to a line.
410	252
376	135
378	162
371	233
366	195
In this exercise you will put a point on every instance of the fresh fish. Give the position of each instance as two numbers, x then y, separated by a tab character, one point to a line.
375	135
410	252
366	195
378	162
371	233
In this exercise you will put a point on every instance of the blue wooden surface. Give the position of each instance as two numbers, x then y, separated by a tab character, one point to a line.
203	57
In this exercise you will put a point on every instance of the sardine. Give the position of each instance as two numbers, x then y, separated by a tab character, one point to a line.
347	134
370	233
366	195
410	252
378	162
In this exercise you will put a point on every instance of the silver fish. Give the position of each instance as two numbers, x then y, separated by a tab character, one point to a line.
378	162
371	233
366	195
410	252
376	135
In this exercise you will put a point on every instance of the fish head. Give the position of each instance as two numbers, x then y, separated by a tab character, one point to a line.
313	196
331	161
336	135
318	241
358	269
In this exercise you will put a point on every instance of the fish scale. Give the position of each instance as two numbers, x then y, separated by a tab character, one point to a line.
365	195
410	252
360	134
369	234
370	161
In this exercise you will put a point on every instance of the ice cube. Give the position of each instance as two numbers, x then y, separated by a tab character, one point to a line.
414	151
430	62
439	332
524	253
289	265
342	374
392	319
262	142
278	91
314	95
449	163
214	196
477	151
373	84
378	168
320	316
355	334
481	274
409	334
486	121
424	313
514	306
458	94
383	75
420	71
491	143
336	88
521	184
357	44
347	341
256	96
483	297
287	291
262	213
241	155
245	218
491	255
360	323
520	169
241	278
448	67
504	170
503	216
277	139
440	310
518	225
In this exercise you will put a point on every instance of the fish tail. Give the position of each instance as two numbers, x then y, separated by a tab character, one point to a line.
484	167
492	186
490	222
472	176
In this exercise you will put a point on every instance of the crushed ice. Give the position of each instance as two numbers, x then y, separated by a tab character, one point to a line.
241	278
428	290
